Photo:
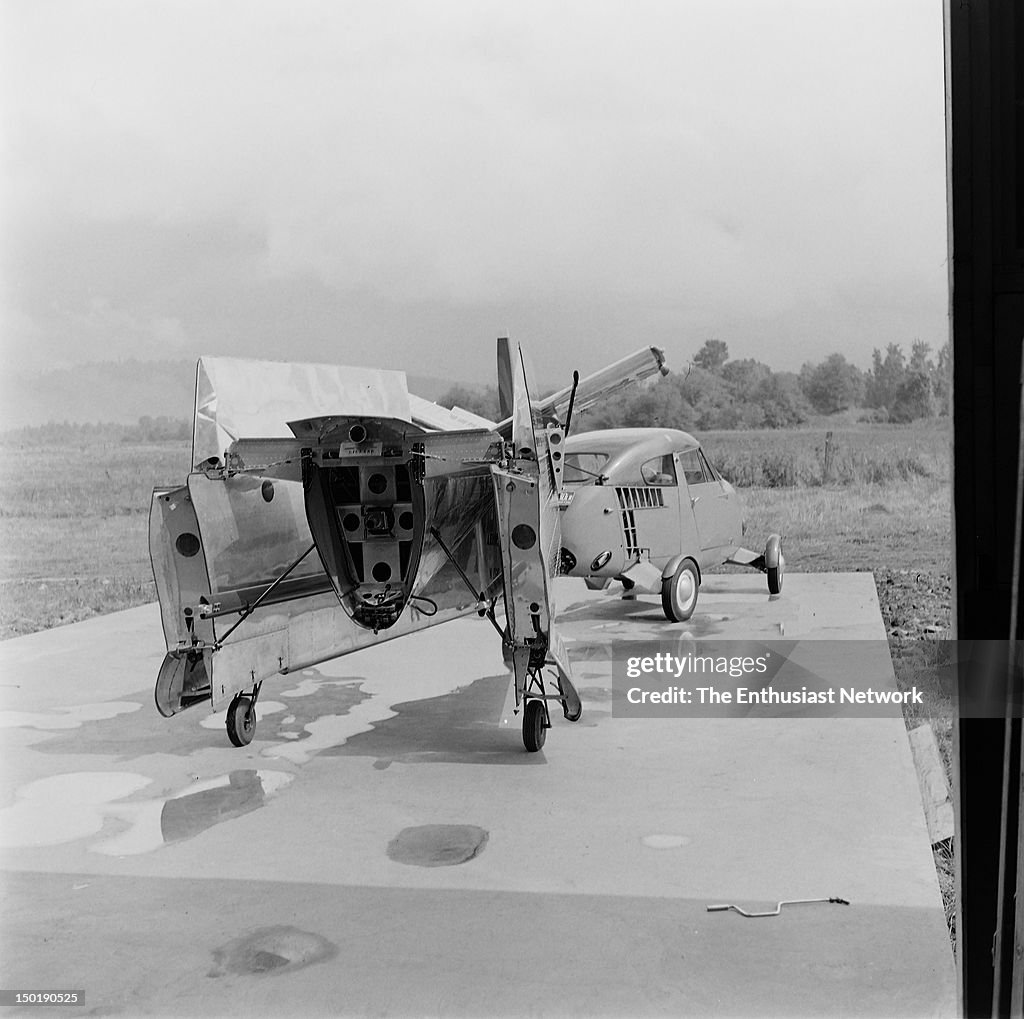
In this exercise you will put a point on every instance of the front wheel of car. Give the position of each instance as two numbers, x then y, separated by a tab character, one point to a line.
679	592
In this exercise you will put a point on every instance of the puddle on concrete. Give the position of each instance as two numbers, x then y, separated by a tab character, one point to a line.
328	732
437	845
460	727
270	951
186	816
66	718
197	730
154	823
309	683
665	841
63	808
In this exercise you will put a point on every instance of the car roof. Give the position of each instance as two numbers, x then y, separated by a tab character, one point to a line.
617	441
627	448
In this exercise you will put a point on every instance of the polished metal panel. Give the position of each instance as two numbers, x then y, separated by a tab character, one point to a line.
239	398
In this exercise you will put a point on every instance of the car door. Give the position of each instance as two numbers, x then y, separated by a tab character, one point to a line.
651	511
708	498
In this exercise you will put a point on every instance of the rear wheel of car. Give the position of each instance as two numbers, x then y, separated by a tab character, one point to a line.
679	592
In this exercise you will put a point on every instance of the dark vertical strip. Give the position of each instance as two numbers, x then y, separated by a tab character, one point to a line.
986	272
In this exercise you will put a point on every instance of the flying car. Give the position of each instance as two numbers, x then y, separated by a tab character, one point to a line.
644	506
329	509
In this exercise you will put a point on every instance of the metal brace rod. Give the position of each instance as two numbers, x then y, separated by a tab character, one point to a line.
248	610
572	400
479	595
777	909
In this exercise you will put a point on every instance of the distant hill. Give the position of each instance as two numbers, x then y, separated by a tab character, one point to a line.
120	392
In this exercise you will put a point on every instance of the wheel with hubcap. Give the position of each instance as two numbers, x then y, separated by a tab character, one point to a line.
679	592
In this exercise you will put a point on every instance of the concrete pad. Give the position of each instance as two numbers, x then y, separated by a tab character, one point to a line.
384	846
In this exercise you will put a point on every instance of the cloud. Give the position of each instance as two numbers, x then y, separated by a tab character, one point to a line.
682	164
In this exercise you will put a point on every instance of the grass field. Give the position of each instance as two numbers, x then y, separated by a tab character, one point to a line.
73	528
74	515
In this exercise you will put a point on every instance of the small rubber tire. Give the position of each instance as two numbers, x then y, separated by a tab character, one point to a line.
241	721
775	575
679	592
534	730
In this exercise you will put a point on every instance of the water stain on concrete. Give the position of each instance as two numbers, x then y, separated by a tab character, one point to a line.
145	733
188	815
63	808
153	823
71	717
270	951
437	845
460	727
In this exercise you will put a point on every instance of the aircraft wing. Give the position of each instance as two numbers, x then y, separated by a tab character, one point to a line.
635	367
253	582
238	398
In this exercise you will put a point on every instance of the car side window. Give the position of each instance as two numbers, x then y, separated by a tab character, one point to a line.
689	462
659	471
709	472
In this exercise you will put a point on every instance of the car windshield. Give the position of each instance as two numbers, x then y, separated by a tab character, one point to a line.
583	467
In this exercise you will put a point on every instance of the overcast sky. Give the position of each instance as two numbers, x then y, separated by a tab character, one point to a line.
397	183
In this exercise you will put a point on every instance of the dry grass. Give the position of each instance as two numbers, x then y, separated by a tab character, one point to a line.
74	528
865	527
845	456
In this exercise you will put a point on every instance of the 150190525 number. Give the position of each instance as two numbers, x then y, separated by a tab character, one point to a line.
41	997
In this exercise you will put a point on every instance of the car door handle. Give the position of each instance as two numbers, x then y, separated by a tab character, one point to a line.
695	500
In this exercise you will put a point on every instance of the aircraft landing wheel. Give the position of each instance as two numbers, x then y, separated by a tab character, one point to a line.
679	592
775	576
534	730
241	721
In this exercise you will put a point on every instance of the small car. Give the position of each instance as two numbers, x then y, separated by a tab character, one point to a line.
644	506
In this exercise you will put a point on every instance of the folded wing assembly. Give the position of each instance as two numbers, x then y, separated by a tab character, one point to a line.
329	509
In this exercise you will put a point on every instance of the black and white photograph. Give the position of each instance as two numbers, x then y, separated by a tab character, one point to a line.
511	509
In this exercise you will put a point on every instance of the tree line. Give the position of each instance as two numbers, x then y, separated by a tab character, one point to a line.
716	392
713	392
